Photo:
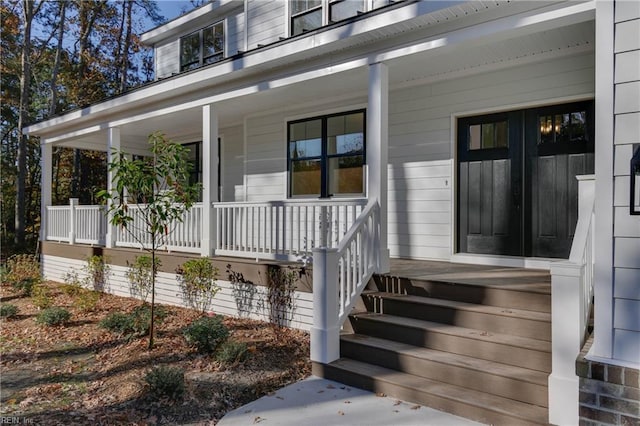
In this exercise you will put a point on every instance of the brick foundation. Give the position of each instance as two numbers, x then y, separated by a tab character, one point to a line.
609	394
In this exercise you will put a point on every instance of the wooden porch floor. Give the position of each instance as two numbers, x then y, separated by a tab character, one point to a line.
536	280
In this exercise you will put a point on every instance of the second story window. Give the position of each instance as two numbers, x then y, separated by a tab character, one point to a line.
203	47
306	15
344	9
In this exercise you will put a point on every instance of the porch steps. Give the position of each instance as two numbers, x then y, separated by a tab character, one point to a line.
479	349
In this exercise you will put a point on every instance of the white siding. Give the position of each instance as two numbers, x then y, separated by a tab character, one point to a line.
421	169
231	300
626	291
167	58
235	33
266	21
232	160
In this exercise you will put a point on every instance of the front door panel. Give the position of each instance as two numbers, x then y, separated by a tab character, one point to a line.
520	197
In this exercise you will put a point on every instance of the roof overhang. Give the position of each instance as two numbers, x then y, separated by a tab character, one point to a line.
291	62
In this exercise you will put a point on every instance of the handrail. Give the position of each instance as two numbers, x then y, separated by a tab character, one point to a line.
339	276
571	300
357	254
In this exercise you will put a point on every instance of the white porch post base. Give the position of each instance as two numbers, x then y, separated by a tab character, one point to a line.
325	333
325	344
566	338
563	400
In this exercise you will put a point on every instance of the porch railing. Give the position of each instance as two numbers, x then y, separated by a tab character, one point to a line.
339	276
571	300
185	235
75	223
282	230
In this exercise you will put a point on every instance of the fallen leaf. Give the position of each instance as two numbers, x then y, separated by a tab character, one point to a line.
258	419
398	402
320	391
341	413
415	407
279	397
347	402
330	386
381	394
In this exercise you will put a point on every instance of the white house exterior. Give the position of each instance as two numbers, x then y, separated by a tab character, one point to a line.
449	131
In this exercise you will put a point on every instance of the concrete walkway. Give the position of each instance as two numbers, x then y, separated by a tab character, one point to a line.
319	402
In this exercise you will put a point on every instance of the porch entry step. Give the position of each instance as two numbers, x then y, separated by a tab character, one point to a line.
532	324
469	403
531	296
482	344
503	380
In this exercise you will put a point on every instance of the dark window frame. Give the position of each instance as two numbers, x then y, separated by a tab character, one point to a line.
324	155
202	59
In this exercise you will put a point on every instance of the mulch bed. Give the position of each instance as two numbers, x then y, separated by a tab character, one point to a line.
82	374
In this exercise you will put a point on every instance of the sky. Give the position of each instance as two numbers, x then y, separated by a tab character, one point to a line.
170	9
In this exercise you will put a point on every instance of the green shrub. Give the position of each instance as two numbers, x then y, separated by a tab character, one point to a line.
140	275
206	333
117	322
136	323
23	272
26	285
232	352
165	382
197	280
8	310
86	300
40	297
53	316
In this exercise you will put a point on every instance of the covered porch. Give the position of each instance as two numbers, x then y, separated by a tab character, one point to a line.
413	90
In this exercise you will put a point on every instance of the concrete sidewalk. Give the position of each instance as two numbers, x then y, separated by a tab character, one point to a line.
320	402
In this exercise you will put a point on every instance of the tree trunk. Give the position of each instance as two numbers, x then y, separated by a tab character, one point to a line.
125	50
29	9
56	64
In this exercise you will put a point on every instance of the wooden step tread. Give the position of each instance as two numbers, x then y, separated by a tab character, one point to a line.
542	286
472	307
448	358
469	333
506	407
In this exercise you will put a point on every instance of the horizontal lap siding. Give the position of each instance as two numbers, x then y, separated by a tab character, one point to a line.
235	33
167	58
232	160
421	168
626	231
266	21
232	300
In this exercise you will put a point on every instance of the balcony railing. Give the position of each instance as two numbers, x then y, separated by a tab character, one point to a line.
74	223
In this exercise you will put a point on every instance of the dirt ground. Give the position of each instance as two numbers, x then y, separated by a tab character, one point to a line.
82	374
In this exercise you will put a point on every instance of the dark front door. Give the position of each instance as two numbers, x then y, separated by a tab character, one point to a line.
517	192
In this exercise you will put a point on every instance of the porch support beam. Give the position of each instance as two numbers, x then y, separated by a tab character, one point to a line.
113	147
378	150
210	158
46	164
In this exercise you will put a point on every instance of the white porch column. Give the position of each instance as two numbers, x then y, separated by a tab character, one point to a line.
46	164
113	146
378	149
209	177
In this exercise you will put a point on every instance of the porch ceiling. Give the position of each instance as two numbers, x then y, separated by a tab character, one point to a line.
466	58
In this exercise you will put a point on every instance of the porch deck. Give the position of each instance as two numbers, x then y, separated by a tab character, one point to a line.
535	280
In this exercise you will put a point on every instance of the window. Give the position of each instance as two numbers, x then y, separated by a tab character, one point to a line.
343	9
569	126
203	47
488	135
306	15
326	155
